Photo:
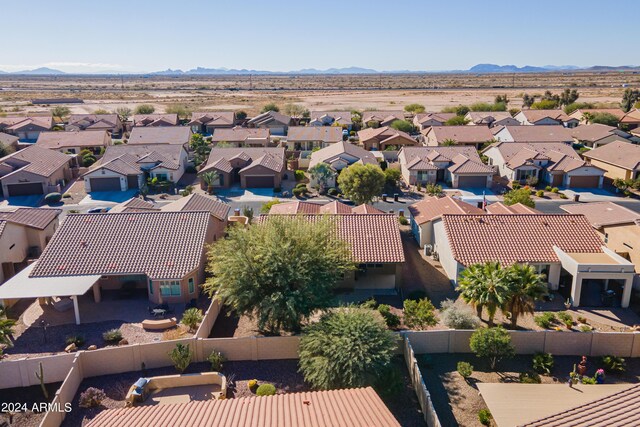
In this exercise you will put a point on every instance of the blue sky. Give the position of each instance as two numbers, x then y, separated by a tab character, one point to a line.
134	36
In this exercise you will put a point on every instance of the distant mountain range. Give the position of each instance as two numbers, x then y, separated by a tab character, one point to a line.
476	69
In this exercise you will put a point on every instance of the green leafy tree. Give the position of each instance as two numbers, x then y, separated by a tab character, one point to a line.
200	147
456	121
322	174
294	110
280	270
414	108
460	110
520	195
144	109
492	343
241	115
392	179
526	287
402	125
181	110
629	98
604	119
270	107
124	113
60	112
485	286
361	183
348	347
265	208
419	314
573	106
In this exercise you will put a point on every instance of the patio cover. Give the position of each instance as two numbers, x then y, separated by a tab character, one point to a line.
23	286
517	404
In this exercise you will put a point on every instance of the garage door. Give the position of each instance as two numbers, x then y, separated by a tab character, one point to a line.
132	181
472	181
584	181
105	184
259	182
25	189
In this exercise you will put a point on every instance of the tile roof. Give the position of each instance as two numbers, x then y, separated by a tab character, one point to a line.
7	140
128	159
199	202
463	165
373	238
326	134
465	159
335	207
126	243
240	134
533	116
550	133
601	214
460	134
632	116
61	140
366	209
270	157
213	118
518	208
618	113
515	238
134	204
381	133
155	120
358	407
618	153
160	135
342	117
595	131
518	153
431	208
37	160
13	123
422	118
338	150
488	117
38	218
268	117
382	116
89	121
616	410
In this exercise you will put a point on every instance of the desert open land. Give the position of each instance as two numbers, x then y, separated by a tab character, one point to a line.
316	92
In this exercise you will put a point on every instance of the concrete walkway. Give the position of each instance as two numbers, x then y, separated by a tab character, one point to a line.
622	318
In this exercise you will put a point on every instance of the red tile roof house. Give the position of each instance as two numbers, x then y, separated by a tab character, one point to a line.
163	252
534	134
247	167
306	138
155	120
596	135
373	237
329	118
124	167
475	136
340	155
109	122
381	118
73	142
208	122
242	137
35	170
546	117
379	139
278	124
423	121
458	166
177	135
557	164
491	118
619	159
563	247
26	128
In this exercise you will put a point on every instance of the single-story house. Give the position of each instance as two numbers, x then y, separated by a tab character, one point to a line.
333	208
381	118
557	164
278	124
306	138
73	142
125	167
331	118
356	407
619	228
383	137
198	202
475	136
565	248
110	251
208	122
546	117
376	247
35	170
340	155
629	121
26	128
534	134
424	212
491	118
8	140
597	134
619	160
249	167
459	166
579	114
161	135
109	122
155	120
242	137
24	233
423	121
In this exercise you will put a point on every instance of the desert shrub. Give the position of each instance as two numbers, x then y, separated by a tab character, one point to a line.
565	317
588	380
191	318
252	384
433	189
419	314
555	190
542	363
529	378
492	343
540	193
299	175
484	416
458	315
465	369
544	320
112	335
181	357
91	398
370	304
267	206
88	160
613	364
563	196
403	220
217	360
266	390
392	320
585	328
52	198
547	188
298	192
173	334
78	340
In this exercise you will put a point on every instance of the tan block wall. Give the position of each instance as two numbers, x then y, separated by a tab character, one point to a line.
618	343
527	342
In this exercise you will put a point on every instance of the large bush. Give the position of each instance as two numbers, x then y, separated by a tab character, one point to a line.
52	198
348	347
361	183
419	314
458	315
493	344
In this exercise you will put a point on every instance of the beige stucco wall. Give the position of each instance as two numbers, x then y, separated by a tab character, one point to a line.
625	239
612	171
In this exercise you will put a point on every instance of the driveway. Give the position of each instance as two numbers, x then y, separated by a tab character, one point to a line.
474	195
22	201
592	195
108	197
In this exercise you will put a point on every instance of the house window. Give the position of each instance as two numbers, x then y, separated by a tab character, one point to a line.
170	288
524	174
150	287
422	175
161	176
192	287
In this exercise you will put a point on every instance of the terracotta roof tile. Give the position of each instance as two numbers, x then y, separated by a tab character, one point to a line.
61	140
155	120
601	214
269	117
550	133
335	207
382	116
463	165
38	218
338	149
326	134
460	134
134	204
240	134
618	153
431	208
160	135
13	123
37	160
537	115
271	157
213	118
518	208
198	202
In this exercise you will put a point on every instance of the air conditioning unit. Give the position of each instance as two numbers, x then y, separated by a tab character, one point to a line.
428	249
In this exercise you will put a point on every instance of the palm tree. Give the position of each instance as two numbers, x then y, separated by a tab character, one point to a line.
209	178
485	286
526	287
587	117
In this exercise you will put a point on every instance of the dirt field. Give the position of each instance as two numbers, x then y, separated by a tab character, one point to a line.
435	91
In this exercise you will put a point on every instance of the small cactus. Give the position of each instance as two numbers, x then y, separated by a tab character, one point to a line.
40	376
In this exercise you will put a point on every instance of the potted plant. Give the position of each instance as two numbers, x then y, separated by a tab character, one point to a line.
567	304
